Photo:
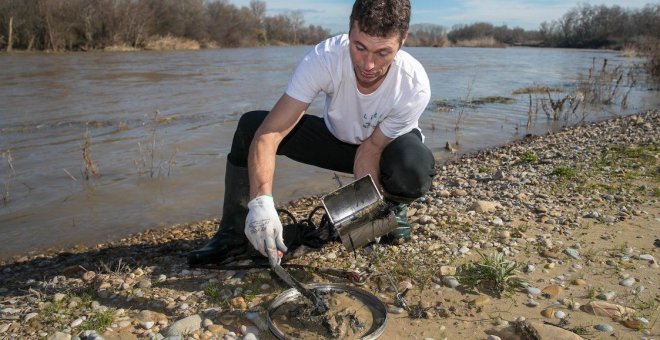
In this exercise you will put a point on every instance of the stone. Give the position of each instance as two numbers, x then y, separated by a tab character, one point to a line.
29	316
216	329
447	270
627	282
607	296
600	308
450	281
579	282
77	322
548	312
88	276
184	326
60	336
552	291
239	303
533	291
633	324
560	314
485	206
572	253
480	301
529	268
395	310
646	257
603	327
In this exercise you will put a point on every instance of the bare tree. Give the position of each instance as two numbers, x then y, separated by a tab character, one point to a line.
258	9
297	20
10	37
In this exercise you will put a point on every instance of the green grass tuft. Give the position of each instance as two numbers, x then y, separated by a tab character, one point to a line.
100	321
563	172
493	272
529	157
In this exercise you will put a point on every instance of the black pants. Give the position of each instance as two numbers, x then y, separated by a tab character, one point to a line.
407	166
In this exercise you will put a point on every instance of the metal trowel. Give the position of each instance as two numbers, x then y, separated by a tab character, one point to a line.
320	304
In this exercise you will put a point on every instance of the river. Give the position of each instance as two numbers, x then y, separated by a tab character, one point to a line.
160	126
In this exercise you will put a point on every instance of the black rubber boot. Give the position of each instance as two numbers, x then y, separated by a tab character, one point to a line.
402	232
230	239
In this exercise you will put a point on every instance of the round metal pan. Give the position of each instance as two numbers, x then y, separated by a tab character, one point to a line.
377	307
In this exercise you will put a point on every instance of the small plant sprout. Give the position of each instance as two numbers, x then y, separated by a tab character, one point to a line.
563	172
492	273
529	157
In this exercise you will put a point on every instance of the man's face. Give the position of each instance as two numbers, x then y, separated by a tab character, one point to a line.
371	56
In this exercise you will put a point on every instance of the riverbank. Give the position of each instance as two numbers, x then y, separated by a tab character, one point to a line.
577	211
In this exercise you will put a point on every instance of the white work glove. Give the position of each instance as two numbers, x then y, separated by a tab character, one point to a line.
264	229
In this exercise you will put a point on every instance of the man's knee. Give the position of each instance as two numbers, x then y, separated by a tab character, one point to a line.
245	130
407	168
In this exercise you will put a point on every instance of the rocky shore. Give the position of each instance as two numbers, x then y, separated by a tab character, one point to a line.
575	215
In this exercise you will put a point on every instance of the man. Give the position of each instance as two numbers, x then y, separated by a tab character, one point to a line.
375	94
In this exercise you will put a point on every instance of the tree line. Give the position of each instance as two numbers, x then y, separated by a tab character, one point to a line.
96	24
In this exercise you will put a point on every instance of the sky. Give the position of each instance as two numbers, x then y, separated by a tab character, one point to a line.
528	14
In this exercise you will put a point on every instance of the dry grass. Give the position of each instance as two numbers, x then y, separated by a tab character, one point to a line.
168	42
120	48
630	51
11	172
90	169
535	89
480	42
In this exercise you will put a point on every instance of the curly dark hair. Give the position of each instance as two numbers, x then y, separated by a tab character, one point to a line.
381	18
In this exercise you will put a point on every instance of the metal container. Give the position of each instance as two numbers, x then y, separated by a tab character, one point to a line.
358	213
377	307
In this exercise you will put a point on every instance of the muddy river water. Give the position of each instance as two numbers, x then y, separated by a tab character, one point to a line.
160	126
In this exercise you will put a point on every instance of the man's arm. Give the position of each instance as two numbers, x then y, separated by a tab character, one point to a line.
262	225
367	158
261	158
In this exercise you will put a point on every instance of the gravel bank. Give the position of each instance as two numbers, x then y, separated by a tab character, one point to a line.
576	211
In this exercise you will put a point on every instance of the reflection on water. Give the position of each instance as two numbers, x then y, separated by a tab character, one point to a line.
168	168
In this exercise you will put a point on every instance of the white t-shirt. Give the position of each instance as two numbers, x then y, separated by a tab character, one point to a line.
350	115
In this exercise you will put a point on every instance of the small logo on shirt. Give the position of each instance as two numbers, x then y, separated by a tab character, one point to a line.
370	120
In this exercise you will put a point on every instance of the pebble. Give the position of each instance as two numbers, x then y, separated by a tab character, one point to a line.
560	314
533	291
573	253
548	312
552	291
4	327
395	310
606	296
184	326
450	281
627	282
529	268
29	316
77	322
480	301
493	337
532	303
60	336
603	327
647	257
